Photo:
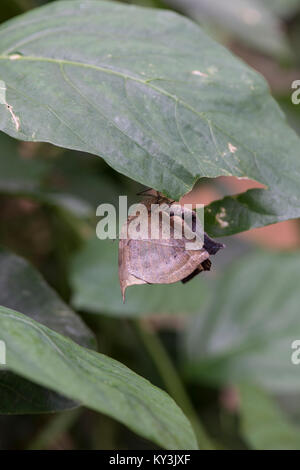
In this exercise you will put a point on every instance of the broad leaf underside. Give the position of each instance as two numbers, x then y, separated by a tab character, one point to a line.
99	382
155	97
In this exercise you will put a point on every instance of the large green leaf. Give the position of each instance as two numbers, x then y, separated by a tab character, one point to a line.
149	92
249	20
96	288
22	288
246	334
103	384
264	425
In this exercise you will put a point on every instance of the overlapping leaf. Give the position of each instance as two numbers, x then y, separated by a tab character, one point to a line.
52	360
22	288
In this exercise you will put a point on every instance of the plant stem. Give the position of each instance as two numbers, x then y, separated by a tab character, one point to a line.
173	383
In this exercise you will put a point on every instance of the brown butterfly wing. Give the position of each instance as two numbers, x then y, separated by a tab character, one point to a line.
156	261
126	278
162	261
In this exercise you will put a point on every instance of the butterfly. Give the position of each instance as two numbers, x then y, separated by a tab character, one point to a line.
147	260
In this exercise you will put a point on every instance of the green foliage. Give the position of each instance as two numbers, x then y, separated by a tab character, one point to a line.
22	288
163	105
247	331
165	123
52	360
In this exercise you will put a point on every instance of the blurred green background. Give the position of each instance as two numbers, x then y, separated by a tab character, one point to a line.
225	338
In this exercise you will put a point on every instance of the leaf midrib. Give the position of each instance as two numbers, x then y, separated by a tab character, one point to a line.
105	70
